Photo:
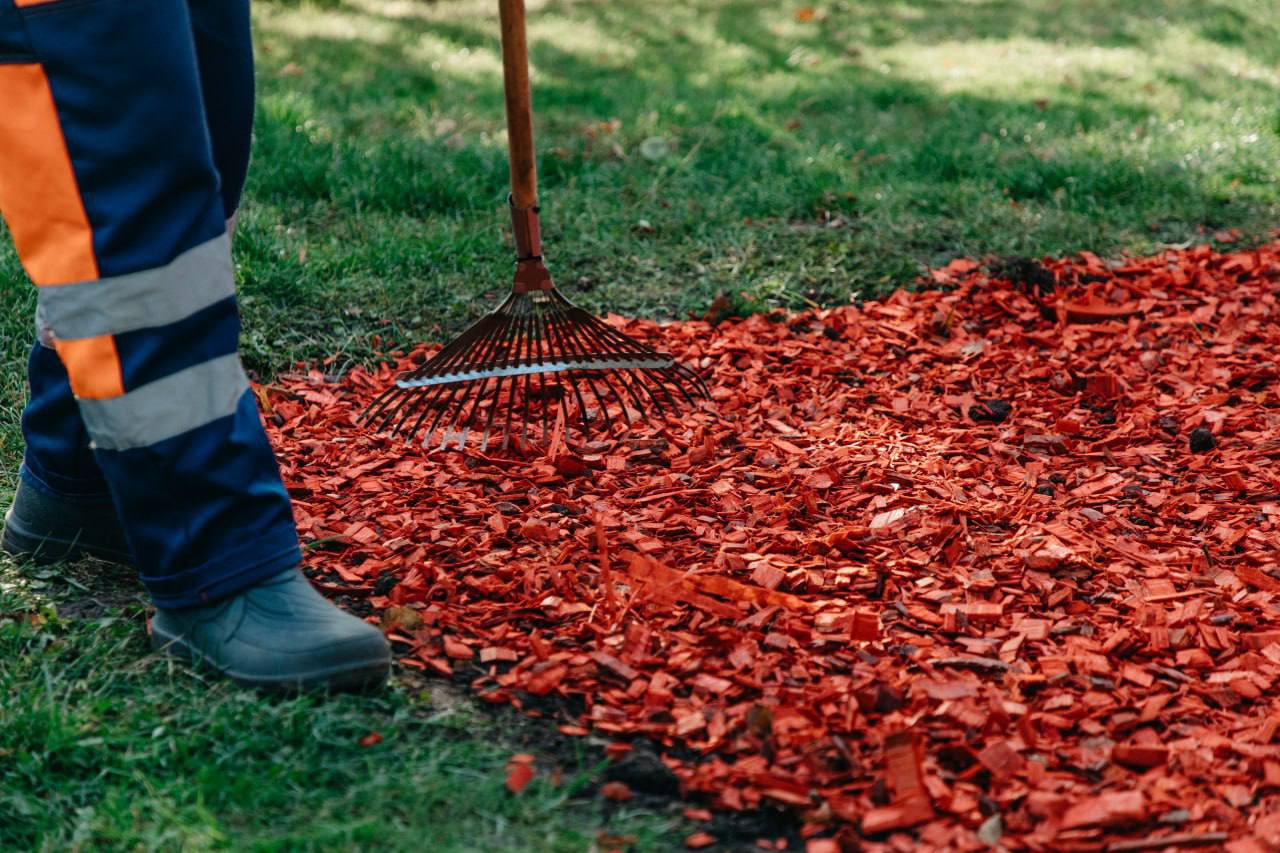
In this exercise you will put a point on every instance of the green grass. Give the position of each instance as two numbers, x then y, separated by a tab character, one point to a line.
789	162
804	161
105	746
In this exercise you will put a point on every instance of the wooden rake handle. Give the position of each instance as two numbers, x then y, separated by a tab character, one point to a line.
515	73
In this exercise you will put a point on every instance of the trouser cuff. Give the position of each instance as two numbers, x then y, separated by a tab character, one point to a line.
228	575
92	492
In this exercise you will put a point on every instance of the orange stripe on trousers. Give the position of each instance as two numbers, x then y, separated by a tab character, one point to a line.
39	196
93	366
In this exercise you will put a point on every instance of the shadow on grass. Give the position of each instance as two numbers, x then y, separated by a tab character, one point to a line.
1095	23
801	166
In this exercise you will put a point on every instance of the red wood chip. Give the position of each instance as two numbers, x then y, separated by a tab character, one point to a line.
519	775
969	513
698	840
1140	756
864	627
1106	810
820	845
1001	759
616	791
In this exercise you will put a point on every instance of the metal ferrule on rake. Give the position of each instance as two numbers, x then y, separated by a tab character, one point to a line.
537	356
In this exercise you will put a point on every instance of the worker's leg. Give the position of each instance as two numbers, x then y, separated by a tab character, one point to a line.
108	185
224	55
111	194
63	508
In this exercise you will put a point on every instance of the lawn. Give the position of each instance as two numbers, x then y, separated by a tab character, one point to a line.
782	154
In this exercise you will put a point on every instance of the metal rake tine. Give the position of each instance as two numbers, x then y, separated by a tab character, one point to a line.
576	333
582	404
454	353
622	400
493	410
522	358
413	404
475	405
586	331
511	402
608	334
602	403
628	378
539	330
603	332
666	373
574	378
554	327
527	359
378	406
650	380
447	432
694	378
500	348
691	378
484	347
564	409
440	412
542	398
524	412
646	381
464	432
375	415
514	352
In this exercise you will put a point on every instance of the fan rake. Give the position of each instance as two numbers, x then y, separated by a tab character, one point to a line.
537	358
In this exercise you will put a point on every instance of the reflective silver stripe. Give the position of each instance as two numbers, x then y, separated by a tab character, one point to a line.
543	367
167	407
194	280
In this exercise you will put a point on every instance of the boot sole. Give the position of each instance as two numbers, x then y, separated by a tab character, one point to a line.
354	677
44	550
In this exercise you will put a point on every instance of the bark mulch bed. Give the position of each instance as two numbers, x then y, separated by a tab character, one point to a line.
995	563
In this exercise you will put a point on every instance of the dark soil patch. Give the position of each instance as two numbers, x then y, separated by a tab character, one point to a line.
653	786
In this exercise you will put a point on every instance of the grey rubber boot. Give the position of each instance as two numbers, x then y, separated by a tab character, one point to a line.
49	530
279	635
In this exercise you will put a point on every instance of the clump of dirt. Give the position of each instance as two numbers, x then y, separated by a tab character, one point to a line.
1028	274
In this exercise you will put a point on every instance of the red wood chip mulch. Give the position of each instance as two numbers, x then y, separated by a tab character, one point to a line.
992	561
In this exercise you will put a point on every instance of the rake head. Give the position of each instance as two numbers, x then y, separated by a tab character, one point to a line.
536	359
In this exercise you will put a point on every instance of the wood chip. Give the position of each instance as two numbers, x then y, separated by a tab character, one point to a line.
768	588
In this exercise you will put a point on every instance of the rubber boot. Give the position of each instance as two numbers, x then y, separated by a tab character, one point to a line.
279	635
49	530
